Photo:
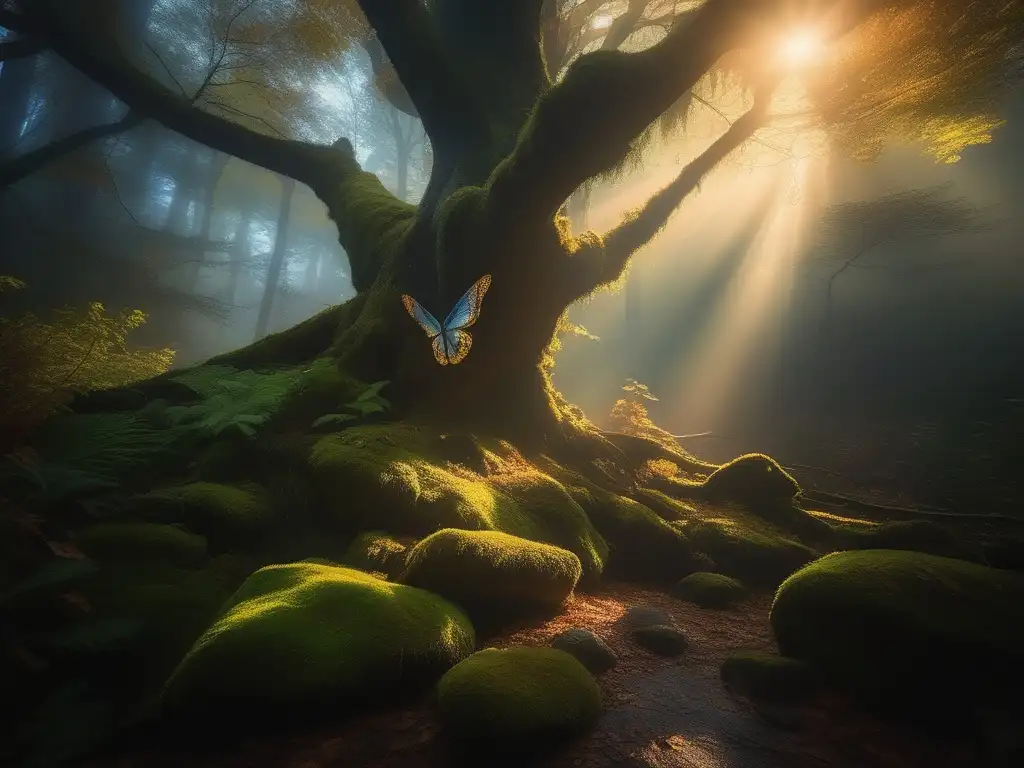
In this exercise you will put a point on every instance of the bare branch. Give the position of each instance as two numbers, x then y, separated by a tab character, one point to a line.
584	126
26	164
167	69
603	264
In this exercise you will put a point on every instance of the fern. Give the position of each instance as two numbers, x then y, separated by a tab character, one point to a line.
368	402
233	401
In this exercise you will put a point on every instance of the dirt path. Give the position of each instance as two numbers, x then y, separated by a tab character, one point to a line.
660	713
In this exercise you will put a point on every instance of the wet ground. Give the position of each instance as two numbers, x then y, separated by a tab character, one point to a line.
660	713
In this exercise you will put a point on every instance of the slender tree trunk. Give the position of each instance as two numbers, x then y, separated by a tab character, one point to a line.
239	255
217	164
277	259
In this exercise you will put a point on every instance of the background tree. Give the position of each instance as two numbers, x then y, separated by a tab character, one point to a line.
854	230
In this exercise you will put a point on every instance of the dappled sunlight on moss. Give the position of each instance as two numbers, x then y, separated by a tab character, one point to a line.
306	633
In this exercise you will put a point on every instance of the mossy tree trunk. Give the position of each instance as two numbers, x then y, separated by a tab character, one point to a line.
509	149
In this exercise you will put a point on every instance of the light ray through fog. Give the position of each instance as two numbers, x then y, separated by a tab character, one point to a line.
747	320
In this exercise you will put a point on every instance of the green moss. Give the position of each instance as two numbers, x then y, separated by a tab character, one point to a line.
769	677
387	476
751	479
664	505
915	536
518	698
378	552
563	522
641	545
223	513
488	568
906	628
128	542
293	346
710	590
302	634
757	557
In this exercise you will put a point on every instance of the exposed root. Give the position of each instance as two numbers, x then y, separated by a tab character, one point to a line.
640	449
886	512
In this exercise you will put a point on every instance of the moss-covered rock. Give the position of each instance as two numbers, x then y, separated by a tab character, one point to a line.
915	536
378	552
758	558
386	476
490	569
662	639
303	633
518	698
589	649
145	542
769	677
923	633
223	513
751	479
641	545
663	505
710	590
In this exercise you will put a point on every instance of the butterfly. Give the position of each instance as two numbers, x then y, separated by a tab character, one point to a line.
451	341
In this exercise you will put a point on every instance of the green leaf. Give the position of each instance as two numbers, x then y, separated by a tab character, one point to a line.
333	418
58	574
372	391
250	418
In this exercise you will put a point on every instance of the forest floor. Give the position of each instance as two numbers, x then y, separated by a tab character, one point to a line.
660	712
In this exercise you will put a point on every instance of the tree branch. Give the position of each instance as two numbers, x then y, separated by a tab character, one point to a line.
496	46
409	37
586	125
367	215
600	265
22	48
624	24
385	78
31	162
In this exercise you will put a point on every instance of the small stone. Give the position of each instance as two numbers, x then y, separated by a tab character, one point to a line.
644	615
589	649
661	639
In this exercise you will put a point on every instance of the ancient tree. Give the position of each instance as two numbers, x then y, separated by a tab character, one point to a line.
510	146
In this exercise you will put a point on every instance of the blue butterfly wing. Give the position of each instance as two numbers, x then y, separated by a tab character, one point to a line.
425	320
458	343
467	309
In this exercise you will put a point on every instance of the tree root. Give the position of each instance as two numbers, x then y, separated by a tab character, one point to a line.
640	449
841	501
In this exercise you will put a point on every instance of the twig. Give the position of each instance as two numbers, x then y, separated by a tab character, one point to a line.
167	69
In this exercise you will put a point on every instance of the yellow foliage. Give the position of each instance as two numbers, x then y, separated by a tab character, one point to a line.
933	73
629	415
43	364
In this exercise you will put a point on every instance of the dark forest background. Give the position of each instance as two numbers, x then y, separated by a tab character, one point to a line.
909	382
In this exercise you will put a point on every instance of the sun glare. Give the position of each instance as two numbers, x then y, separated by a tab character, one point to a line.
802	47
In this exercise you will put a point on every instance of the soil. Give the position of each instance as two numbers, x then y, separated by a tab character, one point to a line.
660	712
